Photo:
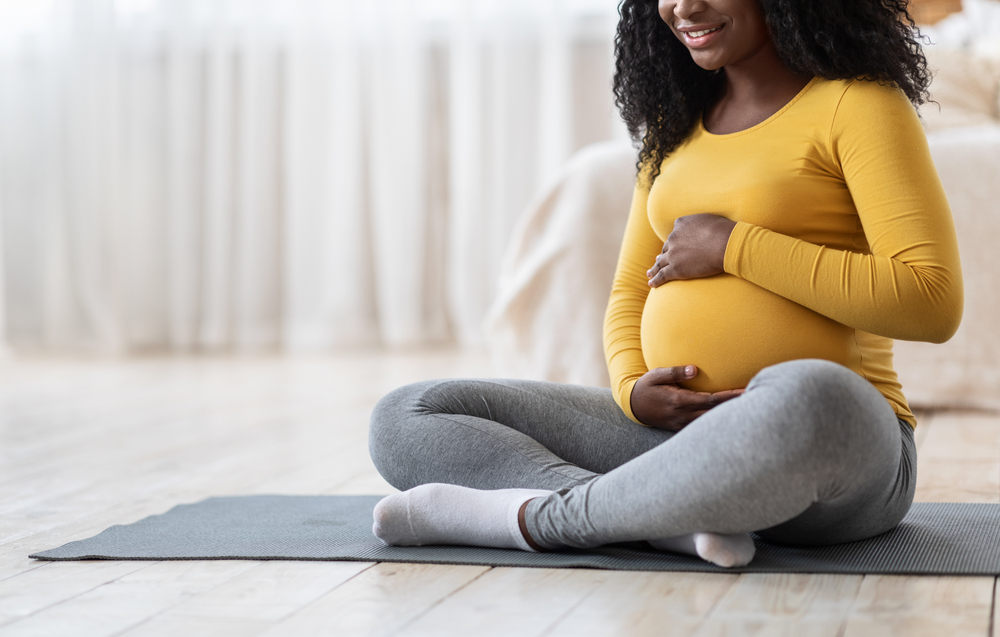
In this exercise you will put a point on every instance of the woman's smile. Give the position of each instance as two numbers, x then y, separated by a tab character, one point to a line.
696	37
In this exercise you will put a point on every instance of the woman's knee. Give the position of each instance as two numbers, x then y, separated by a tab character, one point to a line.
823	388
406	433
825	406
391	428
805	375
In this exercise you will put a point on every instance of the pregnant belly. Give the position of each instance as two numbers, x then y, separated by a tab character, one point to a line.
731	329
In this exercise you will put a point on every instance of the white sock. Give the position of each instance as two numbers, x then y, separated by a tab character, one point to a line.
450	514
726	551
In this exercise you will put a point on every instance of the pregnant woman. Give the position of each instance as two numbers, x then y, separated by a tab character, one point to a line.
787	224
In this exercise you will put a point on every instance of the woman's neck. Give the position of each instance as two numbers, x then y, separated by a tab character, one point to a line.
754	89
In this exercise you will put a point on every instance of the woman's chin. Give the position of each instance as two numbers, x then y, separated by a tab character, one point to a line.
709	63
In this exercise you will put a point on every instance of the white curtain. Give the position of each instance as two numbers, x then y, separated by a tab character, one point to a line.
199	175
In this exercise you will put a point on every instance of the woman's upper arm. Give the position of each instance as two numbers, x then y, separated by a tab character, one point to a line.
887	165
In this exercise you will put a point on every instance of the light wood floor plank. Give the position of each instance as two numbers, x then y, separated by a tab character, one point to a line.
925	420
957	481
43	587
379	601
251	602
645	604
960	459
964	436
789	604
922	606
128	600
509	601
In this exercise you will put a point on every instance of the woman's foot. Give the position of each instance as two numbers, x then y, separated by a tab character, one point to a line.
450	514
727	551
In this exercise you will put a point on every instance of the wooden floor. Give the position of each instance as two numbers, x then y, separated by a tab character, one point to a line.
84	445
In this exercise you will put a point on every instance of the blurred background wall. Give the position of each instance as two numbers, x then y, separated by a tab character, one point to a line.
229	175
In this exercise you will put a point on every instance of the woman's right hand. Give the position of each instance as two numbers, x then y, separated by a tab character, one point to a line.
658	401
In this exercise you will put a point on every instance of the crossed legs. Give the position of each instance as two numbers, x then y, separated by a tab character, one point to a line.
811	454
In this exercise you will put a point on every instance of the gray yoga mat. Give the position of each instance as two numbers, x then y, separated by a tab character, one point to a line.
934	538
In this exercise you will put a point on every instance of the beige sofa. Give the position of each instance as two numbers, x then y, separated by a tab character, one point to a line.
547	318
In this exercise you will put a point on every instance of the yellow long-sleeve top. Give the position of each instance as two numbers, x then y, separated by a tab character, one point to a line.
844	241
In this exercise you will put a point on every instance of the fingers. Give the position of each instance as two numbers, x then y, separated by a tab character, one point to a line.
706	400
662	271
695	401
723	396
658	264
663	275
672	375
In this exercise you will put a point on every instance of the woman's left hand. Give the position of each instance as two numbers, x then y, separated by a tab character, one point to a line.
696	248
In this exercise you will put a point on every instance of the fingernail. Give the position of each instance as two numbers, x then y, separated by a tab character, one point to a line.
689	371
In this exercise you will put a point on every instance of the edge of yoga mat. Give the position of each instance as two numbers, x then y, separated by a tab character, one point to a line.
933	539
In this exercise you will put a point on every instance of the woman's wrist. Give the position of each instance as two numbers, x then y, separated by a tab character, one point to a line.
723	233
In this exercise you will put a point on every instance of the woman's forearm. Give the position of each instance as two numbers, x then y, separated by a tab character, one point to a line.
915	295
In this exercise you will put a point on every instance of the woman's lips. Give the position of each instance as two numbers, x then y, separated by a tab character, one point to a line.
705	37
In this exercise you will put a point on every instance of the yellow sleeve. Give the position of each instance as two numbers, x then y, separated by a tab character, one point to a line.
910	286
623	318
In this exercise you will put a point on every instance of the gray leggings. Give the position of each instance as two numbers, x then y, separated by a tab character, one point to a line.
810	454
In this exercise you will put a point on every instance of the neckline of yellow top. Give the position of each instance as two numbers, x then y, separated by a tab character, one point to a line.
776	115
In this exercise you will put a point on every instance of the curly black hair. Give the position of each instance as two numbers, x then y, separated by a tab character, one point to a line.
661	92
